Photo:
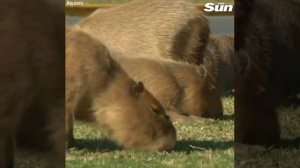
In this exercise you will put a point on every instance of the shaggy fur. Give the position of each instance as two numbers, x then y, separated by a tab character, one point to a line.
98	90
178	86
153	28
31	77
218	58
267	66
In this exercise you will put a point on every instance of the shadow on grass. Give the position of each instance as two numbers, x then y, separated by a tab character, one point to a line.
190	145
107	145
34	159
285	144
228	117
96	145
290	143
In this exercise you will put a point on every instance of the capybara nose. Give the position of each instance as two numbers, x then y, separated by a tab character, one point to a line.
168	143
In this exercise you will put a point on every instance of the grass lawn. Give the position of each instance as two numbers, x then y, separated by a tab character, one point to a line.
208	144
287	156
124	1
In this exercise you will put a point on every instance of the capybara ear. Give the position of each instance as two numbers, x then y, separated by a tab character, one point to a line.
242	61
201	70
138	88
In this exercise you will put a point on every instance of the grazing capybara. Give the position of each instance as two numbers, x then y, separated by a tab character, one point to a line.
267	45
218	58
32	66
97	87
162	28
181	87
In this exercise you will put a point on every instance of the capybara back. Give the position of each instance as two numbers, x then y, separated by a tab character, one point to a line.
153	28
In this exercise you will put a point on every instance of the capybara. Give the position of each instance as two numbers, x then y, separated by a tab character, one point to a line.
32	66
267	45
182	87
96	86
161	28
218	58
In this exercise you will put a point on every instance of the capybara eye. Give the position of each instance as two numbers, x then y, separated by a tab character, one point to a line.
167	117
156	109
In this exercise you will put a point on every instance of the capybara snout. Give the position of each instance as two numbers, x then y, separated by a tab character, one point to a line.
212	105
201	93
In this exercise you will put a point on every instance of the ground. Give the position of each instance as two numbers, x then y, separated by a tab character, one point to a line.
287	156
205	145
208	144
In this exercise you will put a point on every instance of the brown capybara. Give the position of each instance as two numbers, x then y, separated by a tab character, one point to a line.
182	87
218	58
32	66
162	28
267	74
97	87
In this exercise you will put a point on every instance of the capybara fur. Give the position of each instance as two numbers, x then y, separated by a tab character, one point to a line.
218	58
182	87
32	70
267	45
161	28
96	86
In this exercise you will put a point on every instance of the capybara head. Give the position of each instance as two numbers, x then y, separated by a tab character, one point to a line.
256	121
223	44
134	117
112	99
203	98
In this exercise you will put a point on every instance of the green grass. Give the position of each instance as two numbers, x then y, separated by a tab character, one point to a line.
124	1
275	158
287	156
209	144
27	159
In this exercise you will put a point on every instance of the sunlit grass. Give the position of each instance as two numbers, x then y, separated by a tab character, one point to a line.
208	144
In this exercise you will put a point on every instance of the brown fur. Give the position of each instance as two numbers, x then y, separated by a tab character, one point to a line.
161	28
267	74
180	87
97	87
31	77
252	101
217	58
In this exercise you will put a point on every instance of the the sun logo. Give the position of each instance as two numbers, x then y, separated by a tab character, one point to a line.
219	7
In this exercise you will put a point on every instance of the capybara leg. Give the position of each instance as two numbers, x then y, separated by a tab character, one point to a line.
69	129
257	130
6	145
58	147
57	137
